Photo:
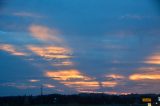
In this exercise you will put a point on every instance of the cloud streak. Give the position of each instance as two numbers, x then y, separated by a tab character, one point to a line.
44	33
12	50
27	15
137	77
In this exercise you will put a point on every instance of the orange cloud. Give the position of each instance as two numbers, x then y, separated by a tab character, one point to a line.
109	84
44	33
82	83
12	50
115	76
51	52
154	59
74	79
144	77
66	75
48	85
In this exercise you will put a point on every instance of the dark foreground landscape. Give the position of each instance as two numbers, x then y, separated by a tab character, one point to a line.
81	100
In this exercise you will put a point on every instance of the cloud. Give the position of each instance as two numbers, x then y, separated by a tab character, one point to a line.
109	83
44	33
51	52
27	14
12	50
137	77
64	75
63	63
131	16
115	76
82	85
153	59
48	86
18	86
73	79
34	80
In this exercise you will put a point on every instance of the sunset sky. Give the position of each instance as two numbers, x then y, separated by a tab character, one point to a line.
79	46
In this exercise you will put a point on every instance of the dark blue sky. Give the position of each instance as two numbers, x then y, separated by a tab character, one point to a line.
73	46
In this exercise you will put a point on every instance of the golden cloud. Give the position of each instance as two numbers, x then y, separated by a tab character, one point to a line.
144	77
51	52
66	75
74	79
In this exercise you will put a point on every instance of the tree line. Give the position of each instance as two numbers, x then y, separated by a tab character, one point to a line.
78	99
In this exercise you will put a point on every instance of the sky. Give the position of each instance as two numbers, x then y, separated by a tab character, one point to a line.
79	46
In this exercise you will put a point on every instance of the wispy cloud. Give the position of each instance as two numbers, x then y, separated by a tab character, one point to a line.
34	80
18	85
48	86
114	76
51	52
27	14
12	50
133	16
63	63
45	34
